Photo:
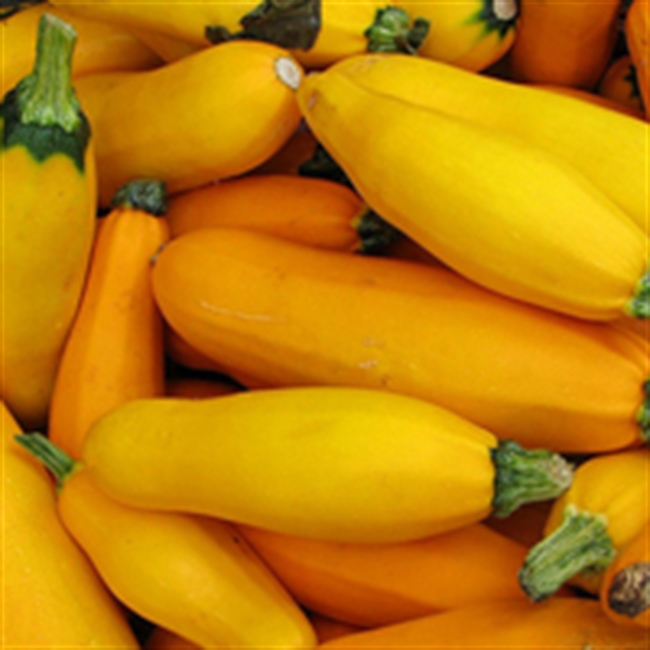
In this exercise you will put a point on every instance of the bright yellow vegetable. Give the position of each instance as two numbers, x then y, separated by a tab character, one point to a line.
332	463
52	596
194	576
608	148
143	128
481	201
472	34
48	175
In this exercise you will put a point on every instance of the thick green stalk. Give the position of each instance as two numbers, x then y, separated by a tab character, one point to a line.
392	31
579	544
42	113
525	476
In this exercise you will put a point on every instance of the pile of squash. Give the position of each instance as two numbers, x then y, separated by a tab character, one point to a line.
325	324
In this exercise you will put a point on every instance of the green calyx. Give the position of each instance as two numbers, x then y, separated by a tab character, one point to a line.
54	459
143	194
42	112
639	305
643	414
580	544
392	31
375	233
293	24
526	476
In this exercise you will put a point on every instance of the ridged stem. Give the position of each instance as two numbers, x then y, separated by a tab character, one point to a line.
580	543
54	459
144	194
392	31
526	476
46	97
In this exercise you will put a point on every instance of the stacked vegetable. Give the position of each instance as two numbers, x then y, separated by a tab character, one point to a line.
353	358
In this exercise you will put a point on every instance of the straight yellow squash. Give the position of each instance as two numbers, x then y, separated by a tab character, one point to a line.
504	213
340	464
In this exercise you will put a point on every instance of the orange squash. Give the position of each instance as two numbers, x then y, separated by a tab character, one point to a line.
285	315
637	37
565	43
379	584
306	210
557	623
114	352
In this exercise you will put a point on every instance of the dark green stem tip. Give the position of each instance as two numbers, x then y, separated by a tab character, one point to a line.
392	31
55	460
148	195
639	305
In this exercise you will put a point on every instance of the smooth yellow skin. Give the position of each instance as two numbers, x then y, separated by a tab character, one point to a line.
48	229
329	463
178	125
194	576
183	20
52	596
454	35
608	148
613	485
495	208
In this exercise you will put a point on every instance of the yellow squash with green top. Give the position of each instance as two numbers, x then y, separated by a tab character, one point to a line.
48	221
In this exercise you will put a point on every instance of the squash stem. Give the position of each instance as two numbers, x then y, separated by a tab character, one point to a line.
579	544
629	592
639	305
391	32
375	233
55	460
46	97
525	476
143	194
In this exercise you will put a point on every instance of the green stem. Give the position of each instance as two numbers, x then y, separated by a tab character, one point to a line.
639	305
375	233
143	194
55	460
629	592
392	32
579	544
46	96
525	476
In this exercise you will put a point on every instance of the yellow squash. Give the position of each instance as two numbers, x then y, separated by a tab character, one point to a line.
334	463
192	575
471	35
481	201
52	596
49	194
176	123
608	148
